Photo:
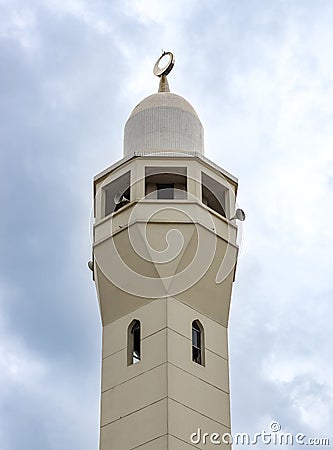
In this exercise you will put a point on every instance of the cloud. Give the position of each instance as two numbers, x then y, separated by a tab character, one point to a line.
39	394
19	24
84	12
162	13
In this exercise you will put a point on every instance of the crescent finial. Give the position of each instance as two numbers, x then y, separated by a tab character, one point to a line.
162	69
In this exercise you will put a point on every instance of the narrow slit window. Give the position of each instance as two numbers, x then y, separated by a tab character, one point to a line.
197	343
134	343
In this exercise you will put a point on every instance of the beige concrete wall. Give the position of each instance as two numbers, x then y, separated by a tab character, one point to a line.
180	317
115	334
134	395
163	210
115	370
215	371
198	395
161	443
136	429
115	302
160	401
183	421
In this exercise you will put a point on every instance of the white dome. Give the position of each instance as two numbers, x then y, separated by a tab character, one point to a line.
163	122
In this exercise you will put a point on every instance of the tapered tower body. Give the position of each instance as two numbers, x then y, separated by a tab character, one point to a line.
164	262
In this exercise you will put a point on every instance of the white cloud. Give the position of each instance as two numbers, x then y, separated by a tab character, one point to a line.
19	23
18	366
84	12
163	13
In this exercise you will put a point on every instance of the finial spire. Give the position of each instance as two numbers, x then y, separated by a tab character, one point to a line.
162	69
164	85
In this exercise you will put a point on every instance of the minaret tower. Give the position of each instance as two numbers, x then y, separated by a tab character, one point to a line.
164	258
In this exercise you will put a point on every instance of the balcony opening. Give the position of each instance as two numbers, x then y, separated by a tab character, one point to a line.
213	194
117	193
166	183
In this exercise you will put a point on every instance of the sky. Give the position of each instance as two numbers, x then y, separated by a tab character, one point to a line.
260	76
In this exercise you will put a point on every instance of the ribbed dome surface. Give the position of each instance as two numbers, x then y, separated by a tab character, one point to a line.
163	122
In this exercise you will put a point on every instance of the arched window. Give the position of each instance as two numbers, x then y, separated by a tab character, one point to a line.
134	343
198	351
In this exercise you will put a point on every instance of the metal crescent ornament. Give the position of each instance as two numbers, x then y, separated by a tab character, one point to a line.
159	72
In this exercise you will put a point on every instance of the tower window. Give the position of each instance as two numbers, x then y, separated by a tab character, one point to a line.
166	183
197	343
117	193
134	343
213	194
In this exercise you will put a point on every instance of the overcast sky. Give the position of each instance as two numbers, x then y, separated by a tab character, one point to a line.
259	74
